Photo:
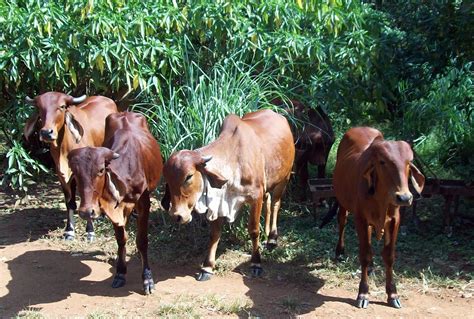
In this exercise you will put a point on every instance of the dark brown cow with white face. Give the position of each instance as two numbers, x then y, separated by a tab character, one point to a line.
67	123
313	140
371	181
118	178
249	163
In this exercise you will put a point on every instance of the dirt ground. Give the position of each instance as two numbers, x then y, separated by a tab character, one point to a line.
39	275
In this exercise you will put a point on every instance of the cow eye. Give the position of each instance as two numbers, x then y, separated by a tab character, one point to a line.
101	171
382	162
188	178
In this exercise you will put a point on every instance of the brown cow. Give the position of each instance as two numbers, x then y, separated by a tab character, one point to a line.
371	181
116	187
65	126
313	140
250	162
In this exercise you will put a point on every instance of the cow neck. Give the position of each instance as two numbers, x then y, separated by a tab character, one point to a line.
222	148
60	151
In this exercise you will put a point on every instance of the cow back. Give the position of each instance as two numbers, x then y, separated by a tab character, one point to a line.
350	163
140	161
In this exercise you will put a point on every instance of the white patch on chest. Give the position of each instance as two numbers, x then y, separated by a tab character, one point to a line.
221	202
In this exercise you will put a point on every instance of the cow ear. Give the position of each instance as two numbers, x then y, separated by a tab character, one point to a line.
30	126
371	178
165	201
74	126
215	178
417	179
115	186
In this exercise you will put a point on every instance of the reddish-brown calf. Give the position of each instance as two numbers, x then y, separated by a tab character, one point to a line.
371	181
118	178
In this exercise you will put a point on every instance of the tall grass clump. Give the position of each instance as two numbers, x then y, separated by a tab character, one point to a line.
191	115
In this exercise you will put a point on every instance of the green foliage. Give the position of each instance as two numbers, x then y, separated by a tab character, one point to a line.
193	114
21	168
366	63
447	113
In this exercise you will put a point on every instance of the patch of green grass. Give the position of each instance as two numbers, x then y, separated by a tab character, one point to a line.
187	306
176	311
30	314
223	306
101	315
290	304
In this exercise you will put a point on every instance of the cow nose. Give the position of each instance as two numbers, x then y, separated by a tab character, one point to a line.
87	214
46	132
404	198
178	219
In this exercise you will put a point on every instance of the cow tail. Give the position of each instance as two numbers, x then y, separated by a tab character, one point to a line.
330	214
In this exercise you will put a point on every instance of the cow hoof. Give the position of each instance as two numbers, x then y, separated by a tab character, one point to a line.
90	237
119	281
148	284
68	237
394	302
271	244
203	276
340	257
362	302
256	271
370	271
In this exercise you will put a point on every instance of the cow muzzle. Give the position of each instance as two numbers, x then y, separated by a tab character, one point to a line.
47	135
182	218
403	198
89	213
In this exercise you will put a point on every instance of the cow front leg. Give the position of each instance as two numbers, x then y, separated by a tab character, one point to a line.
121	268
254	232
365	258
208	266
388	254
143	209
90	231
69	195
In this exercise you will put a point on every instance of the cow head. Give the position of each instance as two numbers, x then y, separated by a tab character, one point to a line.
388	168
52	115
184	174
96	181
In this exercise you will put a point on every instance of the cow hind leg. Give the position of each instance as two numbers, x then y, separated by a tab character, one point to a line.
143	212
268	213
388	254
121	268
272	241
302	176
341	220
365	259
210	262
254	232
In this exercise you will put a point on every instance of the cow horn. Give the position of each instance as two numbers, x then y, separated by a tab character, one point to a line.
29	100
206	158
80	99
115	155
